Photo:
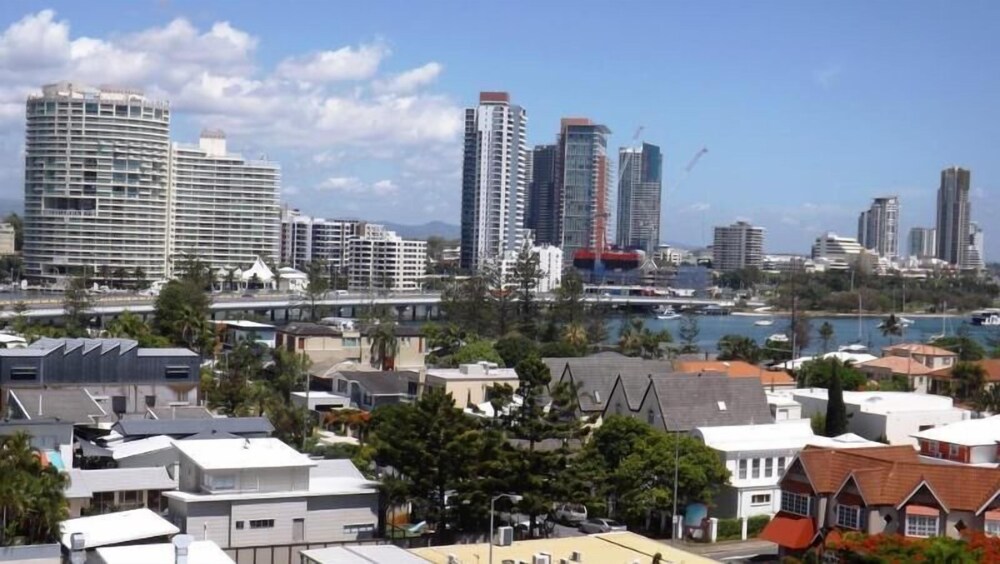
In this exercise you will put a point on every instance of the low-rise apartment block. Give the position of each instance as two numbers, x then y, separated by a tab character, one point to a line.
261	492
470	384
381	260
974	441
329	347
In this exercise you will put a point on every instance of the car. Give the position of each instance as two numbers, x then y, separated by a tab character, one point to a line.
601	526
340	292
570	512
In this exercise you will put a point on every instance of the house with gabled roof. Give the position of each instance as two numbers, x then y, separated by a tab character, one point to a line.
680	402
594	376
887	490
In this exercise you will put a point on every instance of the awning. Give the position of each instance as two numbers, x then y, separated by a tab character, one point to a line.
790	531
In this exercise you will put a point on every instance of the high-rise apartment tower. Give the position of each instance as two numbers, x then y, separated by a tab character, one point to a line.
953	216
639	190
878	227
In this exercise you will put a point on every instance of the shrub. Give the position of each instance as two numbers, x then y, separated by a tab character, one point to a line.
756	524
729	529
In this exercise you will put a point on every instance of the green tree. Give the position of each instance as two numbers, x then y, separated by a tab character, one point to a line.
317	285
967	348
575	336
637	340
688	333
31	494
989	400
891	327
515	347
836	411
738	347
181	311
524	279
475	350
969	378
819	372
469	305
139	278
431	446
77	305
617	438
384	345
826	334
119	275
130	326
232	394
190	268
569	307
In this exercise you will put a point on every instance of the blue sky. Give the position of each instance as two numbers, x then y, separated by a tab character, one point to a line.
808	109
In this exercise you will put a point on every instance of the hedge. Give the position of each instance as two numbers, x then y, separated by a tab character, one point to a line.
730	529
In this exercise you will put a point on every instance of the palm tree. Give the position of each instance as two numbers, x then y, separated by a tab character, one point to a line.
194	330
630	339
989	399
575	335
738	347
970	378
891	327
127	325
826	335
384	345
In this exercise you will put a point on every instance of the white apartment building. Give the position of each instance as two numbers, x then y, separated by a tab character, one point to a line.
262	492
494	179
305	239
878	227
550	264
96	182
757	456
737	246
224	209
381	260
835	251
7	239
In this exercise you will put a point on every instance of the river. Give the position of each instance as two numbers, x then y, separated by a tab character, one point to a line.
846	330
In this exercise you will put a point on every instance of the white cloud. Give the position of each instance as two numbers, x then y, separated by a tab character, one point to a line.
384	188
410	80
346	63
350	184
699	206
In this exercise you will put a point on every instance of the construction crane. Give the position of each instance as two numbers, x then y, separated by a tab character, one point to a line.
691	164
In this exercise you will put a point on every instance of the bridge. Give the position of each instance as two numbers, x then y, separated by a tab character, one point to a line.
50	307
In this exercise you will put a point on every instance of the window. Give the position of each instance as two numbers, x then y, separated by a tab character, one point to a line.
743	469
342	386
351	342
650	417
177	372
150	401
768	467
411	388
922	526
849	516
756	468
239	525
952	451
24	373
932	448
781	465
992	527
795	503
220	481
262	523
359	528
760	499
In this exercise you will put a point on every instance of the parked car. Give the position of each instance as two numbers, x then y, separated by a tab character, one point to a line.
570	512
601	526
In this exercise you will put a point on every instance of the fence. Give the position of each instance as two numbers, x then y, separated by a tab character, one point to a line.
291	553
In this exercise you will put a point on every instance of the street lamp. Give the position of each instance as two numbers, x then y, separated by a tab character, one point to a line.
514	498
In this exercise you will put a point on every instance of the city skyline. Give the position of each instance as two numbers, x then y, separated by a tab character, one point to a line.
365	116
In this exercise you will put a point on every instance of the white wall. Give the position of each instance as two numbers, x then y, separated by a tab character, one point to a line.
282	511
329	516
900	426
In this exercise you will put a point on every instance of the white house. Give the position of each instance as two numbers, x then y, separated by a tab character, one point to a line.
974	442
757	456
891	416
262	492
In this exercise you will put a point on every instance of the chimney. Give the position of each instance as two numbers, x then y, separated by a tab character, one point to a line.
181	544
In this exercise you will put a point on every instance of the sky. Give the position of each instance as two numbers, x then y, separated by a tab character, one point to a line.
807	109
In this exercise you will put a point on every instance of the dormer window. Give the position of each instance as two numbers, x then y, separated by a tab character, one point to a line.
849	516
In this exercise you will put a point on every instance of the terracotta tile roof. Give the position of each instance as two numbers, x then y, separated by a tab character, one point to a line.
736	369
917	348
888	475
897	365
790	531
990	365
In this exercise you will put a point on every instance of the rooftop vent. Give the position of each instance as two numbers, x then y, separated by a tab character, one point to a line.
722	405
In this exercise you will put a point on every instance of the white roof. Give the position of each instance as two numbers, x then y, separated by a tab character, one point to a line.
884	402
473	372
263	273
114	528
362	554
244	324
141	446
846	356
199	552
315	395
972	432
8	338
793	434
85	483
780	398
289	273
225	454
847	440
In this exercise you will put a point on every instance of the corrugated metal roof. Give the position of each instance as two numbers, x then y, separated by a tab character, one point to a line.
150	427
116	528
85	483
66	404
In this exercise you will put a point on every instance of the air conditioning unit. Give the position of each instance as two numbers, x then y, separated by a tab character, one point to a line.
505	536
576	556
541	558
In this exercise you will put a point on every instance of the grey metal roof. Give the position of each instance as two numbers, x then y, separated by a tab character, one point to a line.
310	330
105	345
336	468
383	382
213	434
689	400
594	376
85	483
66	404
183	427
180	412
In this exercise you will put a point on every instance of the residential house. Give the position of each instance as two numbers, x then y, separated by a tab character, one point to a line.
123	377
680	402
594	376
329	346
234	331
116	529
246	427
914	361
51	437
943	383
892	417
756	457
370	389
72	405
973	441
261	492
470	384
826	492
320	402
770	379
95	492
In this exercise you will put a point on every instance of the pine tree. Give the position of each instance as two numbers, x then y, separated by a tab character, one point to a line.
836	411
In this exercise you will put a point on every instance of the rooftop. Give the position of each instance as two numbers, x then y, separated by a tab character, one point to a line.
916	348
151	427
383	382
990	365
66	404
360	554
606	547
971	432
480	371
709	399
139	447
199	552
225	454
85	483
594	376
115	528
244	324
737	369
310	330
883	402
793	434
898	365
180	412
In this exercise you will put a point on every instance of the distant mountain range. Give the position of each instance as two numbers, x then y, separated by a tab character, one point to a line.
425	230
